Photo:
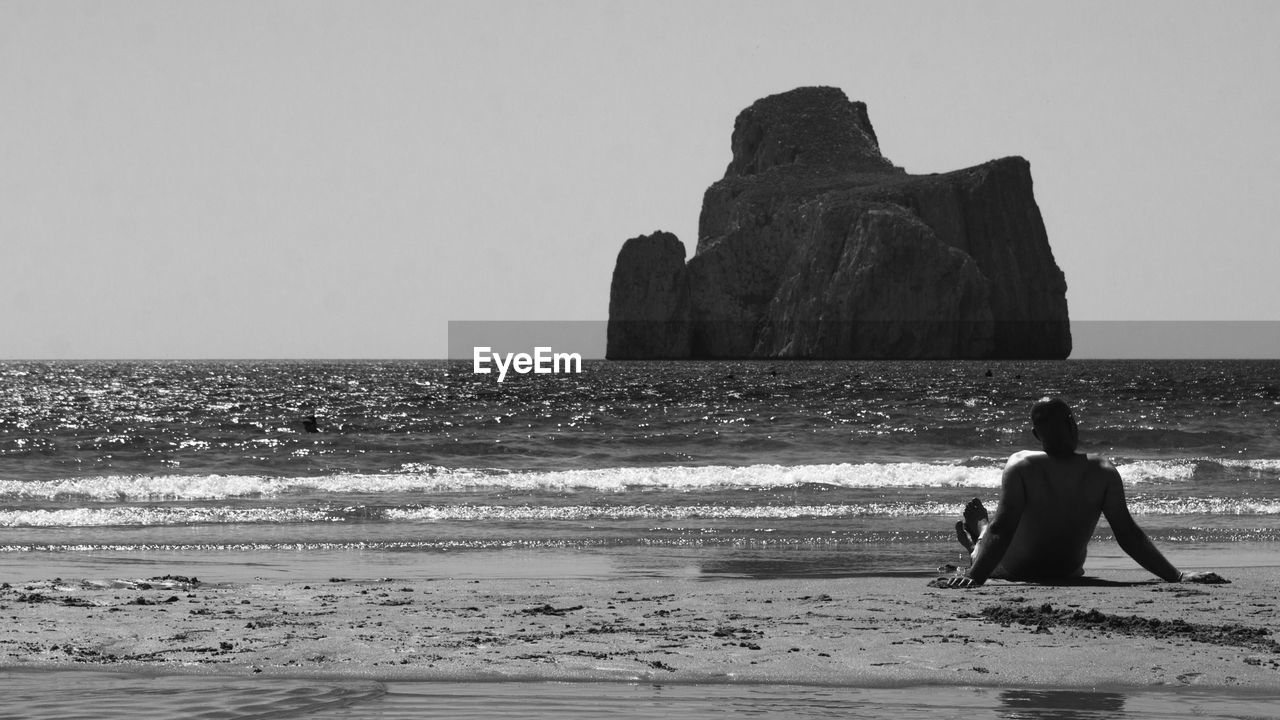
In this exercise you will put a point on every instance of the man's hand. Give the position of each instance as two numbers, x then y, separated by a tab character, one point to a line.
955	581
1207	578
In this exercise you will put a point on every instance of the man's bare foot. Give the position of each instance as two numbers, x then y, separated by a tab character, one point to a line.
975	521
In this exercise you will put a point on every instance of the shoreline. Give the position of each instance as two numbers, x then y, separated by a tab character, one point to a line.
870	632
46	673
72	693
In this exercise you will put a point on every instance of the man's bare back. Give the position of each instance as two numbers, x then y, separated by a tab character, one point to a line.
1050	502
1063	499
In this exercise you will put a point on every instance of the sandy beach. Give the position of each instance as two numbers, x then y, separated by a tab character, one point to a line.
1124	631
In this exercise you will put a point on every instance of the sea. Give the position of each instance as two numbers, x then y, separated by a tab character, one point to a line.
697	469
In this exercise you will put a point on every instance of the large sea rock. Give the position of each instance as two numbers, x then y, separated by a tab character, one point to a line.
813	245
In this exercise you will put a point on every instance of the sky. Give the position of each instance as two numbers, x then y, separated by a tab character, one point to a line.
321	179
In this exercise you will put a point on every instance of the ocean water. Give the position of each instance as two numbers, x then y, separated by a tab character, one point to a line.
750	468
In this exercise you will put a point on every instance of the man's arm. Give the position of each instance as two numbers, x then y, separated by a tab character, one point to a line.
996	538
1131	537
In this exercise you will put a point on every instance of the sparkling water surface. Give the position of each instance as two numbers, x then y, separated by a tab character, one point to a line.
428	456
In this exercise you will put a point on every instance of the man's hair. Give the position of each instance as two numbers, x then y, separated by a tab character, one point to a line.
1050	407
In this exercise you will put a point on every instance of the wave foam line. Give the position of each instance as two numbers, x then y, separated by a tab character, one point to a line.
454	545
150	516
675	478
1203	506
214	487
1261	465
1148	471
516	513
1181	470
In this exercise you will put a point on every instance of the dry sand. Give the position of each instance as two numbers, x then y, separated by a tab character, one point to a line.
849	631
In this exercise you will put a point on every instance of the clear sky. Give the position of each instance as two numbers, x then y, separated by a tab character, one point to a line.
341	179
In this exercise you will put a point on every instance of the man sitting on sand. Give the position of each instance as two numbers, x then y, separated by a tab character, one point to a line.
1050	502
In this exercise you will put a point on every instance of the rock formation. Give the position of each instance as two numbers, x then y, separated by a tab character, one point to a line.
649	290
813	245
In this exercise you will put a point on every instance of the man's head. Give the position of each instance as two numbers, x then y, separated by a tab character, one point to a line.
1054	425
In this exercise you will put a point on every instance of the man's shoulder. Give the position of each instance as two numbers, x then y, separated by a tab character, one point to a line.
1098	461
1025	458
1032	458
1101	465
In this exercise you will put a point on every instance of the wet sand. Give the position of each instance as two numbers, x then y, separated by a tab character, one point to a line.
1125	631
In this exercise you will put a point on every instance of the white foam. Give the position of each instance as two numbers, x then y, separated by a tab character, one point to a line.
1145	471
1184	469
668	512
678	478
685	478
1204	506
1264	465
421	479
215	487
151	516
